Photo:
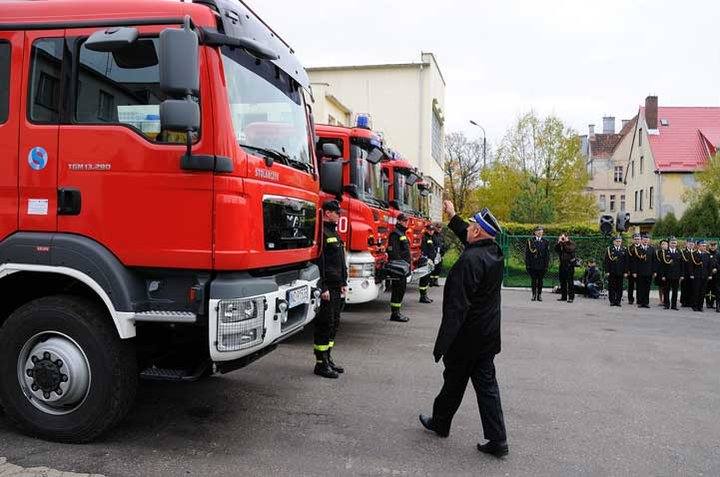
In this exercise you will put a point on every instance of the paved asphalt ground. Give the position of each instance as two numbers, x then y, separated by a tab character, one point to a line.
587	390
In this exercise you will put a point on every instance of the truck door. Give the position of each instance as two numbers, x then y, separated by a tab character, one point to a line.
39	125
120	179
11	68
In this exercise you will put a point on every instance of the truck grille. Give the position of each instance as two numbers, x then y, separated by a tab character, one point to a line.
288	223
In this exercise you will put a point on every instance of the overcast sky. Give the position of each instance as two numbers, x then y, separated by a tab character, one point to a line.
501	58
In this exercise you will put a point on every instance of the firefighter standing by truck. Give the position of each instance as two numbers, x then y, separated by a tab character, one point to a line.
333	280
399	249
441	248
430	251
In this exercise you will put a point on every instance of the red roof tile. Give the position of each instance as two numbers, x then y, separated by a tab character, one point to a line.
602	145
680	146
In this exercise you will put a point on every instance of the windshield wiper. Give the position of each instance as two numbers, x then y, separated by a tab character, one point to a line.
300	164
271	153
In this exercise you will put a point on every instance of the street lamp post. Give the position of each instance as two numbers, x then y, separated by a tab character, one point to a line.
484	142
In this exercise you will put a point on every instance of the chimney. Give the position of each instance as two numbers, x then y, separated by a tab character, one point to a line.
651	112
625	123
609	125
591	127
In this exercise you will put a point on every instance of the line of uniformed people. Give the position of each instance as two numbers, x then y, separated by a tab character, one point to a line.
693	271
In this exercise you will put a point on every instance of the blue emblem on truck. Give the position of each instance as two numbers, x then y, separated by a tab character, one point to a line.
38	158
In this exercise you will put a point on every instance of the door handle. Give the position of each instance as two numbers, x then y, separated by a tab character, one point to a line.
69	201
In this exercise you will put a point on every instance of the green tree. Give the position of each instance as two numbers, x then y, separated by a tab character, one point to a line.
708	181
702	217
667	226
501	186
530	206
552	171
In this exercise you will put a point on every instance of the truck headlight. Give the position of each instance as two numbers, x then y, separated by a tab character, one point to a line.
240	323
361	270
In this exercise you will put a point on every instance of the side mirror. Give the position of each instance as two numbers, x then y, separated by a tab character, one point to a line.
352	190
179	62
412	179
375	156
112	39
179	115
424	192
331	150
331	177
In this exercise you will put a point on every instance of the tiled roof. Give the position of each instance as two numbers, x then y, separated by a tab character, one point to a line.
602	145
681	146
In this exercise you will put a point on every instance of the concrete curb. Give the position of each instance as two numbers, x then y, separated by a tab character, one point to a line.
12	470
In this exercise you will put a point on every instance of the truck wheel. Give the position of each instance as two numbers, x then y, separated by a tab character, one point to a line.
65	375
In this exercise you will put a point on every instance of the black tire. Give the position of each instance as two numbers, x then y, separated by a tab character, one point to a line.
112	363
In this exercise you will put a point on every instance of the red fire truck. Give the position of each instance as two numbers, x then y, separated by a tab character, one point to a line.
365	225
405	193
159	202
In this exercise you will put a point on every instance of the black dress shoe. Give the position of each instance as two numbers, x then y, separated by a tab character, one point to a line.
399	318
562	299
424	299
539	298
644	306
534	298
675	308
428	424
496	448
571	300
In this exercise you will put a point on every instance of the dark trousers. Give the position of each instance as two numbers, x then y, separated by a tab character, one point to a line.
567	275
643	289
686	292
437	271
671	285
536	277
424	284
327	320
699	287
631	289
711	293
615	289
397	293
456	375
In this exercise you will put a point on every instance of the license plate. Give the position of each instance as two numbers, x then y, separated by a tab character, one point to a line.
298	296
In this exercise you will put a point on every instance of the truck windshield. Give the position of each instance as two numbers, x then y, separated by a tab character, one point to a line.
367	177
406	195
267	109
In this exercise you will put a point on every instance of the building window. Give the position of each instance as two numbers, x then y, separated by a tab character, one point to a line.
636	201
641	199
602	202
618	173
642	162
640	138
651	197
622	203
437	138
331	120
632	168
612	203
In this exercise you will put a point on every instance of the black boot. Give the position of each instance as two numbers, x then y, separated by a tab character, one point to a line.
333	366
539	296
424	298
429	424
496	448
399	317
322	366
534	297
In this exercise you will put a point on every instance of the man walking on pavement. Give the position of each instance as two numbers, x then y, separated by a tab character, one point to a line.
670	272
565	249
333	280
441	248
644	261
686	280
632	273
399	249
712	294
616	267
537	261
469	335
429	251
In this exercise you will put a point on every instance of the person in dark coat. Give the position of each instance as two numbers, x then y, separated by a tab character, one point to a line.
399	249
712	290
592	280
670	272
686	280
537	261
429	251
565	249
644	261
333	282
632	273
657	266
441	247
616	269
469	335
700	263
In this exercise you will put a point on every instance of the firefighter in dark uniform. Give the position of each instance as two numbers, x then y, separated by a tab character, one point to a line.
469	335
686	280
440	246
712	290
430	251
537	261
670	272
632	273
399	249
333	280
565	249
700	263
657	268
616	269
644	262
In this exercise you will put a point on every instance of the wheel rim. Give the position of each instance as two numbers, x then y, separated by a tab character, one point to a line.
54	373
